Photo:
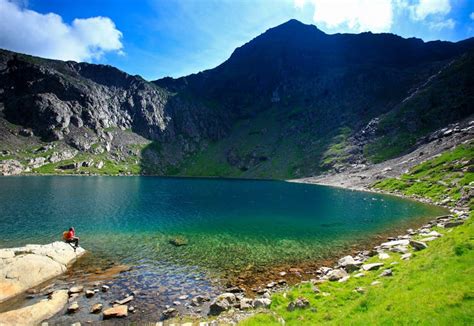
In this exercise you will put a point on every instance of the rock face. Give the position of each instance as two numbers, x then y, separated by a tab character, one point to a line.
292	65
36	313
25	267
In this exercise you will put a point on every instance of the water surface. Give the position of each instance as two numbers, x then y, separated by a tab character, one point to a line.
229	224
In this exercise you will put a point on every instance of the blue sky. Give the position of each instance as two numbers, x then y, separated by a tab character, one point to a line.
157	38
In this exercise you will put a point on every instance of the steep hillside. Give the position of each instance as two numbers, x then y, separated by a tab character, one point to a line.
292	102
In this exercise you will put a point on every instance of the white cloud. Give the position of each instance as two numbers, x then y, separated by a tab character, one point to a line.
439	25
358	15
47	35
426	8
471	15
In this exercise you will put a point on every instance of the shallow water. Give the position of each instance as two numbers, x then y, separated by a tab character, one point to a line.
230	225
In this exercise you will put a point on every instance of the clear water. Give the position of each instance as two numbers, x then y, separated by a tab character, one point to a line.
229	224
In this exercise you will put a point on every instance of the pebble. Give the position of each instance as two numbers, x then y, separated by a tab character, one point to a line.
73	307
96	308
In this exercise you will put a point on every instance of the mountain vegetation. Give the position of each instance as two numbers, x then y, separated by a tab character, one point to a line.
292	102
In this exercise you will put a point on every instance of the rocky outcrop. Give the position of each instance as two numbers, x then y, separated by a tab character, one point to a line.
36	313
25	267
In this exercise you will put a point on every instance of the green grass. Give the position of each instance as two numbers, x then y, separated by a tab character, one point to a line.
439	178
435	287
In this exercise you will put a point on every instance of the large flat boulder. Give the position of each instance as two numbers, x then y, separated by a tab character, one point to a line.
36	313
26	267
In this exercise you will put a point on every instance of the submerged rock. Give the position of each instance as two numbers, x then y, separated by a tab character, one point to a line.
118	311
178	241
96	308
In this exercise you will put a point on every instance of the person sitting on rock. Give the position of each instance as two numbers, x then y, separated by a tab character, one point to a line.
70	237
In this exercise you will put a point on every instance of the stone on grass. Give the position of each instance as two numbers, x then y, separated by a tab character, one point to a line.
371	267
262	303
359	290
169	313
453	224
406	256
300	303
336	274
384	255
375	283
418	245
387	272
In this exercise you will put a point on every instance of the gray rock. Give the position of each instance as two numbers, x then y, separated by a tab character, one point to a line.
418	245
169	313
76	289
96	308
73	307
336	274
371	267
222	303
262	303
453	224
387	272
300	303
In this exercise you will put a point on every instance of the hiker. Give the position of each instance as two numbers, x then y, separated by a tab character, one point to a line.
70	237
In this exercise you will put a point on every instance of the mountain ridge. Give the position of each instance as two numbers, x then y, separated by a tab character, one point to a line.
288	103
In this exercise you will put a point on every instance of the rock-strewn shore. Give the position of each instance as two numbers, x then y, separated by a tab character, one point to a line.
25	267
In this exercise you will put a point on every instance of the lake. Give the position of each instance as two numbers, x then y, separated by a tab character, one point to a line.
229	225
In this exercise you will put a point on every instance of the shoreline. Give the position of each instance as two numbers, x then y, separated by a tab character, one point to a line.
297	273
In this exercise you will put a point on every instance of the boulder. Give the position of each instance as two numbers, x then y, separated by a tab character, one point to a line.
169	313
371	267
300	303
222	303
387	272
36	313
336	274
73	307
406	256
383	256
453	224
76	289
32	265
389	244
118	311
246	303
96	308
349	263
262	303
418	245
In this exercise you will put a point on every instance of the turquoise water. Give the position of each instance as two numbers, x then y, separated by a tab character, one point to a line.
229	225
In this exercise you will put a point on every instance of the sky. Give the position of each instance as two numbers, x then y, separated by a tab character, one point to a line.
158	38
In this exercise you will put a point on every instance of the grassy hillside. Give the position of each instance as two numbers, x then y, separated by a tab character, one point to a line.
447	177
434	287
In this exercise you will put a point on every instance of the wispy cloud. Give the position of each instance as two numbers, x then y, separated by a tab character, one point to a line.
357	15
47	35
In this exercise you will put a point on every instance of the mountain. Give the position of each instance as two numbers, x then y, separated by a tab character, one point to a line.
292	102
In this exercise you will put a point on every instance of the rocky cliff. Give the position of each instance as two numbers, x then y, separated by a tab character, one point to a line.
292	102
